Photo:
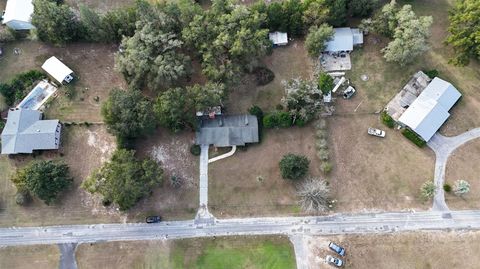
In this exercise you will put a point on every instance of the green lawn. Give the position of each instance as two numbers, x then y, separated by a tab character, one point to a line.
232	253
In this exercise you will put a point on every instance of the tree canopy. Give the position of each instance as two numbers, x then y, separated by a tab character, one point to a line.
153	56
124	180
176	107
293	166
229	39
43	179
55	23
409	38
465	31
302	99
362	8
128	114
317	38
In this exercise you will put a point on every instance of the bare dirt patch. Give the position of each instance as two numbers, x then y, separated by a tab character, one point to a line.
249	182
29	257
172	151
463	164
402	250
372	173
124	255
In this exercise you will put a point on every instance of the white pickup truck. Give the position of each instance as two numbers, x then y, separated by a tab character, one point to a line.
376	132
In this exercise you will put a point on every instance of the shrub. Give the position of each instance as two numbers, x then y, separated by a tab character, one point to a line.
284	119
322	154
176	182
387	120
300	122
293	166
258	112
6	35
326	167
263	75
321	134
417	140
321	124
428	190
321	144
277	119
431	73
2	125
314	195
461	187
270	121
195	150
22	197
447	187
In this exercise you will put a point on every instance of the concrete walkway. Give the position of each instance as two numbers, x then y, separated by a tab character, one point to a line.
67	256
443	147
300	249
204	176
223	156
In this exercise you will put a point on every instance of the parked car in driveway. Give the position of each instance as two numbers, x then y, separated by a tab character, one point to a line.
376	132
334	261
337	249
348	92
153	219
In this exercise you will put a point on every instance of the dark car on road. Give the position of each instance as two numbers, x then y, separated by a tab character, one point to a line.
153	219
338	249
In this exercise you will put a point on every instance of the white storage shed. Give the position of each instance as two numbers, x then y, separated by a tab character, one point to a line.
278	38
58	70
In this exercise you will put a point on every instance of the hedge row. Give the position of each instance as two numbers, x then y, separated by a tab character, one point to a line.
387	120
412	136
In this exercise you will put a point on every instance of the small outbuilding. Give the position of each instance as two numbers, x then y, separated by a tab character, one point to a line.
25	131
344	39
18	14
58	70
278	38
430	109
227	131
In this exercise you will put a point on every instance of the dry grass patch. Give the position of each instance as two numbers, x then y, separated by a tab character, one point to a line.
249	182
92	63
463	164
372	173
286	62
83	149
124	255
29	257
439	250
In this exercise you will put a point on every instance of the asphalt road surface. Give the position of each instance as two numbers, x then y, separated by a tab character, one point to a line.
321	225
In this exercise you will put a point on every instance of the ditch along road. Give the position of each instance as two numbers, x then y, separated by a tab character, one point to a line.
290	226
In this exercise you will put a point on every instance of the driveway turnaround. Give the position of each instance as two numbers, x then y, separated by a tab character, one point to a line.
443	148
314	225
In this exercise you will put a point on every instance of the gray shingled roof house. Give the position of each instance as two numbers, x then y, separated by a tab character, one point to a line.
25	132
227	131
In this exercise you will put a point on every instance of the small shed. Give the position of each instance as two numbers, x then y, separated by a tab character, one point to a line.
18	14
278	38
59	71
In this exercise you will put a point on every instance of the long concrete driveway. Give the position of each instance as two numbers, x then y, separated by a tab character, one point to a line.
443	147
313	225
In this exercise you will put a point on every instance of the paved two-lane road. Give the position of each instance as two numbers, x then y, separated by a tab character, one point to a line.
323	225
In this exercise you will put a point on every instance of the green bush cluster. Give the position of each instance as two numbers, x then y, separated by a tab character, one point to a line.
277	119
321	145
387	120
195	150
412	136
20	86
431	73
294	167
258	112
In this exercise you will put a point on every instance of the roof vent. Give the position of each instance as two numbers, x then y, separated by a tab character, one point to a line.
38	130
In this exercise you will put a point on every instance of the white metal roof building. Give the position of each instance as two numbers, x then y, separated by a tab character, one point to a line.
430	110
57	70
344	39
278	38
18	14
